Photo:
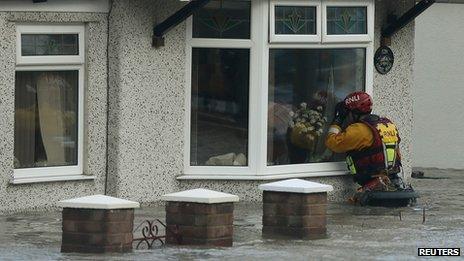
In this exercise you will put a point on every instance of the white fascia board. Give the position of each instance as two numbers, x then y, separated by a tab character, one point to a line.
92	6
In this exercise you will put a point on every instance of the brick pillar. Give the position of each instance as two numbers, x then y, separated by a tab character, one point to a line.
200	224
200	217
97	224
295	209
294	214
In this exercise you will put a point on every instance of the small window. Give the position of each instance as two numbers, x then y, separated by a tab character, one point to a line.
295	21
223	19
348	21
42	44
49	87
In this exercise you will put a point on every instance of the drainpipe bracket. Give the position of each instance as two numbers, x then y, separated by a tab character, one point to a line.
158	41
385	41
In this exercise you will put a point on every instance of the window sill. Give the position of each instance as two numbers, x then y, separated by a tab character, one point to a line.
51	179
263	177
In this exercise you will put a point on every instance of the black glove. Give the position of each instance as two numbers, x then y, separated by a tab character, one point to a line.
340	113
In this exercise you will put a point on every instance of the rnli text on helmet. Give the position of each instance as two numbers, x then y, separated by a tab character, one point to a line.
352	99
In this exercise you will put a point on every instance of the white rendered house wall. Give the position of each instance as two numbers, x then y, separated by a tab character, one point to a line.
439	88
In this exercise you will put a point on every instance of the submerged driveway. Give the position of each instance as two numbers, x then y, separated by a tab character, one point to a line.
354	232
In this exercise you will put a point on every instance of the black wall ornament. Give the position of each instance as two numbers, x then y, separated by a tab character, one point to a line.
383	59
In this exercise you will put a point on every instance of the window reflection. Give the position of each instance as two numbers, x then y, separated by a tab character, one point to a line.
46	105
304	86
219	104
49	44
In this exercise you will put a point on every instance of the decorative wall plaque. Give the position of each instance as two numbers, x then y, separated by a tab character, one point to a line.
383	59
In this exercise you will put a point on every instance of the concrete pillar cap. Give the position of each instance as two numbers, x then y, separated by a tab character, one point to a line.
200	196
296	186
98	202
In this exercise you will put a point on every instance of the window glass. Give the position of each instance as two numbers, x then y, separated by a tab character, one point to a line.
304	86
346	20
219	104
223	19
49	44
46	120
295	20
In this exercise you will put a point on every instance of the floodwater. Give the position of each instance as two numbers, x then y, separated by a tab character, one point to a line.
355	233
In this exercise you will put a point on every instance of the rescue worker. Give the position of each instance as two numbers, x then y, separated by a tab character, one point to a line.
371	144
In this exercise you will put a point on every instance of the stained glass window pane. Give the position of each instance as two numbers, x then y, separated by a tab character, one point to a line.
229	19
219	107
295	20
49	44
304	86
346	20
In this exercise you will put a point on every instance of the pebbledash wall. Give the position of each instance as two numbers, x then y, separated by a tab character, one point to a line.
146	114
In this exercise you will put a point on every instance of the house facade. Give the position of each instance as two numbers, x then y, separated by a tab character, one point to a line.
89	106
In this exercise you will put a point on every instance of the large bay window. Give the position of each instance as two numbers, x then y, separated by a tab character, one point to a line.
48	101
263	78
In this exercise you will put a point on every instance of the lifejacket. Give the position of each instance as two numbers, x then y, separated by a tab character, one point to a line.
383	156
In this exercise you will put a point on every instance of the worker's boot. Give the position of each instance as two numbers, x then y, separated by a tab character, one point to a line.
374	184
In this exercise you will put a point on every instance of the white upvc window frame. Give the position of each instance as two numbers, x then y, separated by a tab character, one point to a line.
259	46
56	63
294	38
311	169
252	110
50	59
346	38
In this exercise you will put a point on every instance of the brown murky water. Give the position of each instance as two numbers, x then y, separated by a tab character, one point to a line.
355	233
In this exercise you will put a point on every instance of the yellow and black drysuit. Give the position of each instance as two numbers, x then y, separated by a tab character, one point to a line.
371	145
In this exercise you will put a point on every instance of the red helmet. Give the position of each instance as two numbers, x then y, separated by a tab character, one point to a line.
359	102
